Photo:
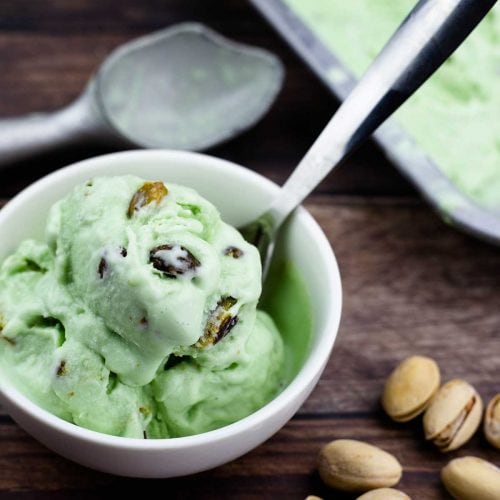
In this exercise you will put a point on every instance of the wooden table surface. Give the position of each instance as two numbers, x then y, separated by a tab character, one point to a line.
411	283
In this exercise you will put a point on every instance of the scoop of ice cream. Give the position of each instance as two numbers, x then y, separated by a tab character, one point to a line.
198	393
138	313
153	263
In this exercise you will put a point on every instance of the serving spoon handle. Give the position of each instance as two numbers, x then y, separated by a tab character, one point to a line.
25	137
425	39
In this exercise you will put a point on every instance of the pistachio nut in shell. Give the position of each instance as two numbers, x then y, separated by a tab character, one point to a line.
492	421
410	387
313	497
384	494
453	415
349	465
471	478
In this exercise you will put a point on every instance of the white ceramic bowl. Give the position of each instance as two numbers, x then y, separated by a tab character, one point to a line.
240	195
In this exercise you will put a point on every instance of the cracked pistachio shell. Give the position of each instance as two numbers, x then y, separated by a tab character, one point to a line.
349	465
492	421
453	415
410	387
313	497
384	494
471	478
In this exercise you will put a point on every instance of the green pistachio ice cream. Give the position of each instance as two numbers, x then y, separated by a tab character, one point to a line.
454	117
137	316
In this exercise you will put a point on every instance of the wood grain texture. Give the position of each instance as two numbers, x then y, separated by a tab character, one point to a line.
411	284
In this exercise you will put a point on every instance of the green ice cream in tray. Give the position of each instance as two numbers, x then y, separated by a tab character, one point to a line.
446	138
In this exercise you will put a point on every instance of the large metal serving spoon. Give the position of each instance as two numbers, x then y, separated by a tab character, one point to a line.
425	39
185	87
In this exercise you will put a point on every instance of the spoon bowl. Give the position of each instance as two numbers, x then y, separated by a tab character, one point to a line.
186	87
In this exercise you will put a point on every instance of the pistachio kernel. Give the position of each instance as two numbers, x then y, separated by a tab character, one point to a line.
102	269
9	340
227	302
233	252
61	369
145	411
219	324
173	260
148	193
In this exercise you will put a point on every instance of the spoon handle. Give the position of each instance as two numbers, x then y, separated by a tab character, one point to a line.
425	39
22	138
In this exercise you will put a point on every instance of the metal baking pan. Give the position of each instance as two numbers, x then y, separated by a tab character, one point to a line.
455	207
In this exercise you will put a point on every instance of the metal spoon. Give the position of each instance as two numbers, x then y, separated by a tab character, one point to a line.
425	39
185	87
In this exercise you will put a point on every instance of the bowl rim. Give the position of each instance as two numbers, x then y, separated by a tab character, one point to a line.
312	367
